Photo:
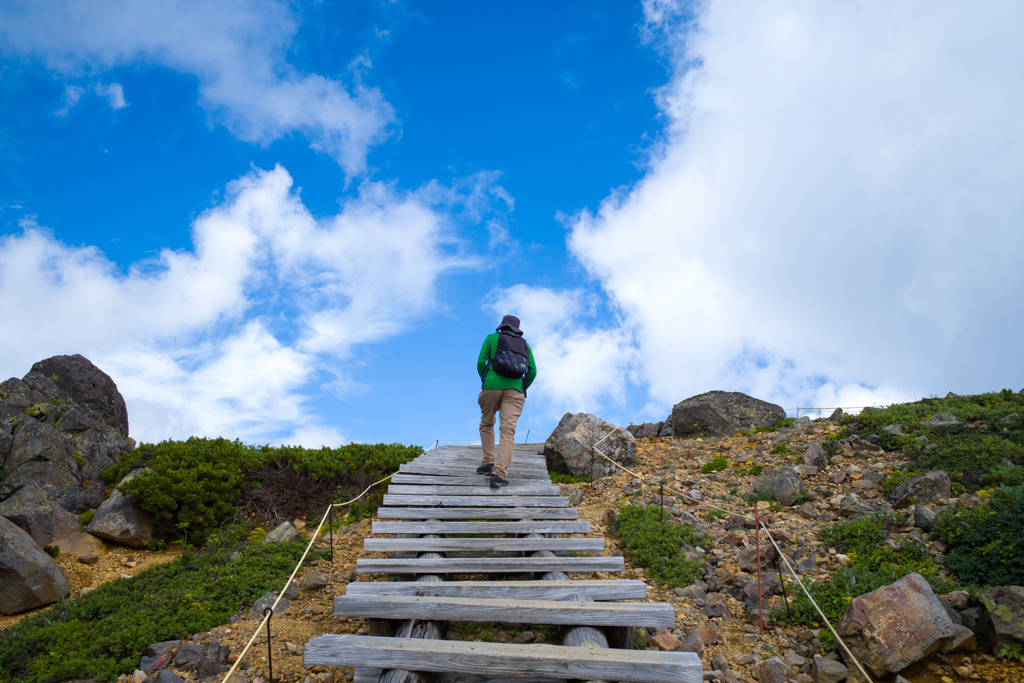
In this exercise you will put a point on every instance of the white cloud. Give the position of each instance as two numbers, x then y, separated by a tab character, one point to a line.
236	49
230	337
834	213
113	93
577	368
72	93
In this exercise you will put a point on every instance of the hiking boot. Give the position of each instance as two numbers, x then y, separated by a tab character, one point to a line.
484	469
497	482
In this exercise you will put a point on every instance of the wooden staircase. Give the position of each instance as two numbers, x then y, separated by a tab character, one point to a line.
440	499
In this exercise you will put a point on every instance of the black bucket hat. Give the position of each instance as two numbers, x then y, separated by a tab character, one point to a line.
511	322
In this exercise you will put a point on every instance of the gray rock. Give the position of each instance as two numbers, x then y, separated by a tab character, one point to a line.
162	648
41	455
956	599
168	676
692	643
815	456
836	415
202	658
924	488
941	420
28	577
291	591
90	498
808	510
282	532
83	383
693	592
772	670
783	485
571	447
267	600
894	626
893	430
121	520
827	670
722	413
312	581
1001	619
804	421
42	519
100	448
666	428
647	429
963	640
924	517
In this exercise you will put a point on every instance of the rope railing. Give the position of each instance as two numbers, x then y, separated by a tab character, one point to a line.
759	525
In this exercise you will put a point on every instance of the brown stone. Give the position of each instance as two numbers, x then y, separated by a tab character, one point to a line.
91	558
667	642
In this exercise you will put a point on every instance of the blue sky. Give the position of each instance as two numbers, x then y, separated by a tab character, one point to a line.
296	222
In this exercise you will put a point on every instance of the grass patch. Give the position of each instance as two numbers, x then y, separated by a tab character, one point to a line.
655	544
104	633
719	462
194	484
766	430
873	564
985	542
990	434
564	478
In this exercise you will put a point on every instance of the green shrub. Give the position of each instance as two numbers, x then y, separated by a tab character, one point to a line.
719	462
895	479
52	550
985	542
780	449
831	447
104	633
563	478
194	484
655	544
87	516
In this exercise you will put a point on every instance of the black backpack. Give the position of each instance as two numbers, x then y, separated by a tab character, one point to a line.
512	359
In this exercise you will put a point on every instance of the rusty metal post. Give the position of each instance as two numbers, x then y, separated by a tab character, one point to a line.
270	652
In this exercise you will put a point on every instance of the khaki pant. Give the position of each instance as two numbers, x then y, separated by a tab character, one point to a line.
508	402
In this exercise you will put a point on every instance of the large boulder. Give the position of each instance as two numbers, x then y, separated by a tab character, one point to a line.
924	488
28	577
894	626
38	516
83	383
578	441
646	429
722	413
1002	616
782	484
44	456
120	519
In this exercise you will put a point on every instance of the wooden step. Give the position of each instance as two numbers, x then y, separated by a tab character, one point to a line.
483	565
477	513
504	660
481	489
475	480
364	674
599	590
481	527
441	545
425	468
562	612
475	501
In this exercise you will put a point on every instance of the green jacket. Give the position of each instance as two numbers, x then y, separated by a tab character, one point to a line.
491	379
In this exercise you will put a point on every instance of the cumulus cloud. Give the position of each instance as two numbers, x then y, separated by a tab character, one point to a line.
228	338
833	213
236	49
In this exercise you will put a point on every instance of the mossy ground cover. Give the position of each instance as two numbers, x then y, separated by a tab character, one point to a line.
653	541
873	564
105	632
197	484
986	543
989	438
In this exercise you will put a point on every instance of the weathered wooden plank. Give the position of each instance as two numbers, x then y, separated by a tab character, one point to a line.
476	513
365	674
582	527
476	501
400	545
507	611
603	589
481	489
426	468
484	565
420	479
504	660
518	459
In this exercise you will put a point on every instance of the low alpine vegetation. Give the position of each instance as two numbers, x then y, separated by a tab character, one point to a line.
655	542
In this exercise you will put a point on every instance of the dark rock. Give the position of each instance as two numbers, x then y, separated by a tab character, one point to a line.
313	580
41	455
203	658
90	558
924	517
645	430
827	670
267	600
836	415
90	498
894	626
283	532
924	488
150	664
100	448
815	456
42	519
955	599
28	577
772	670
722	413
168	676
162	648
716	609
666	428
578	441
692	643
963	640
121	520
783	484
1001	619
85	384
